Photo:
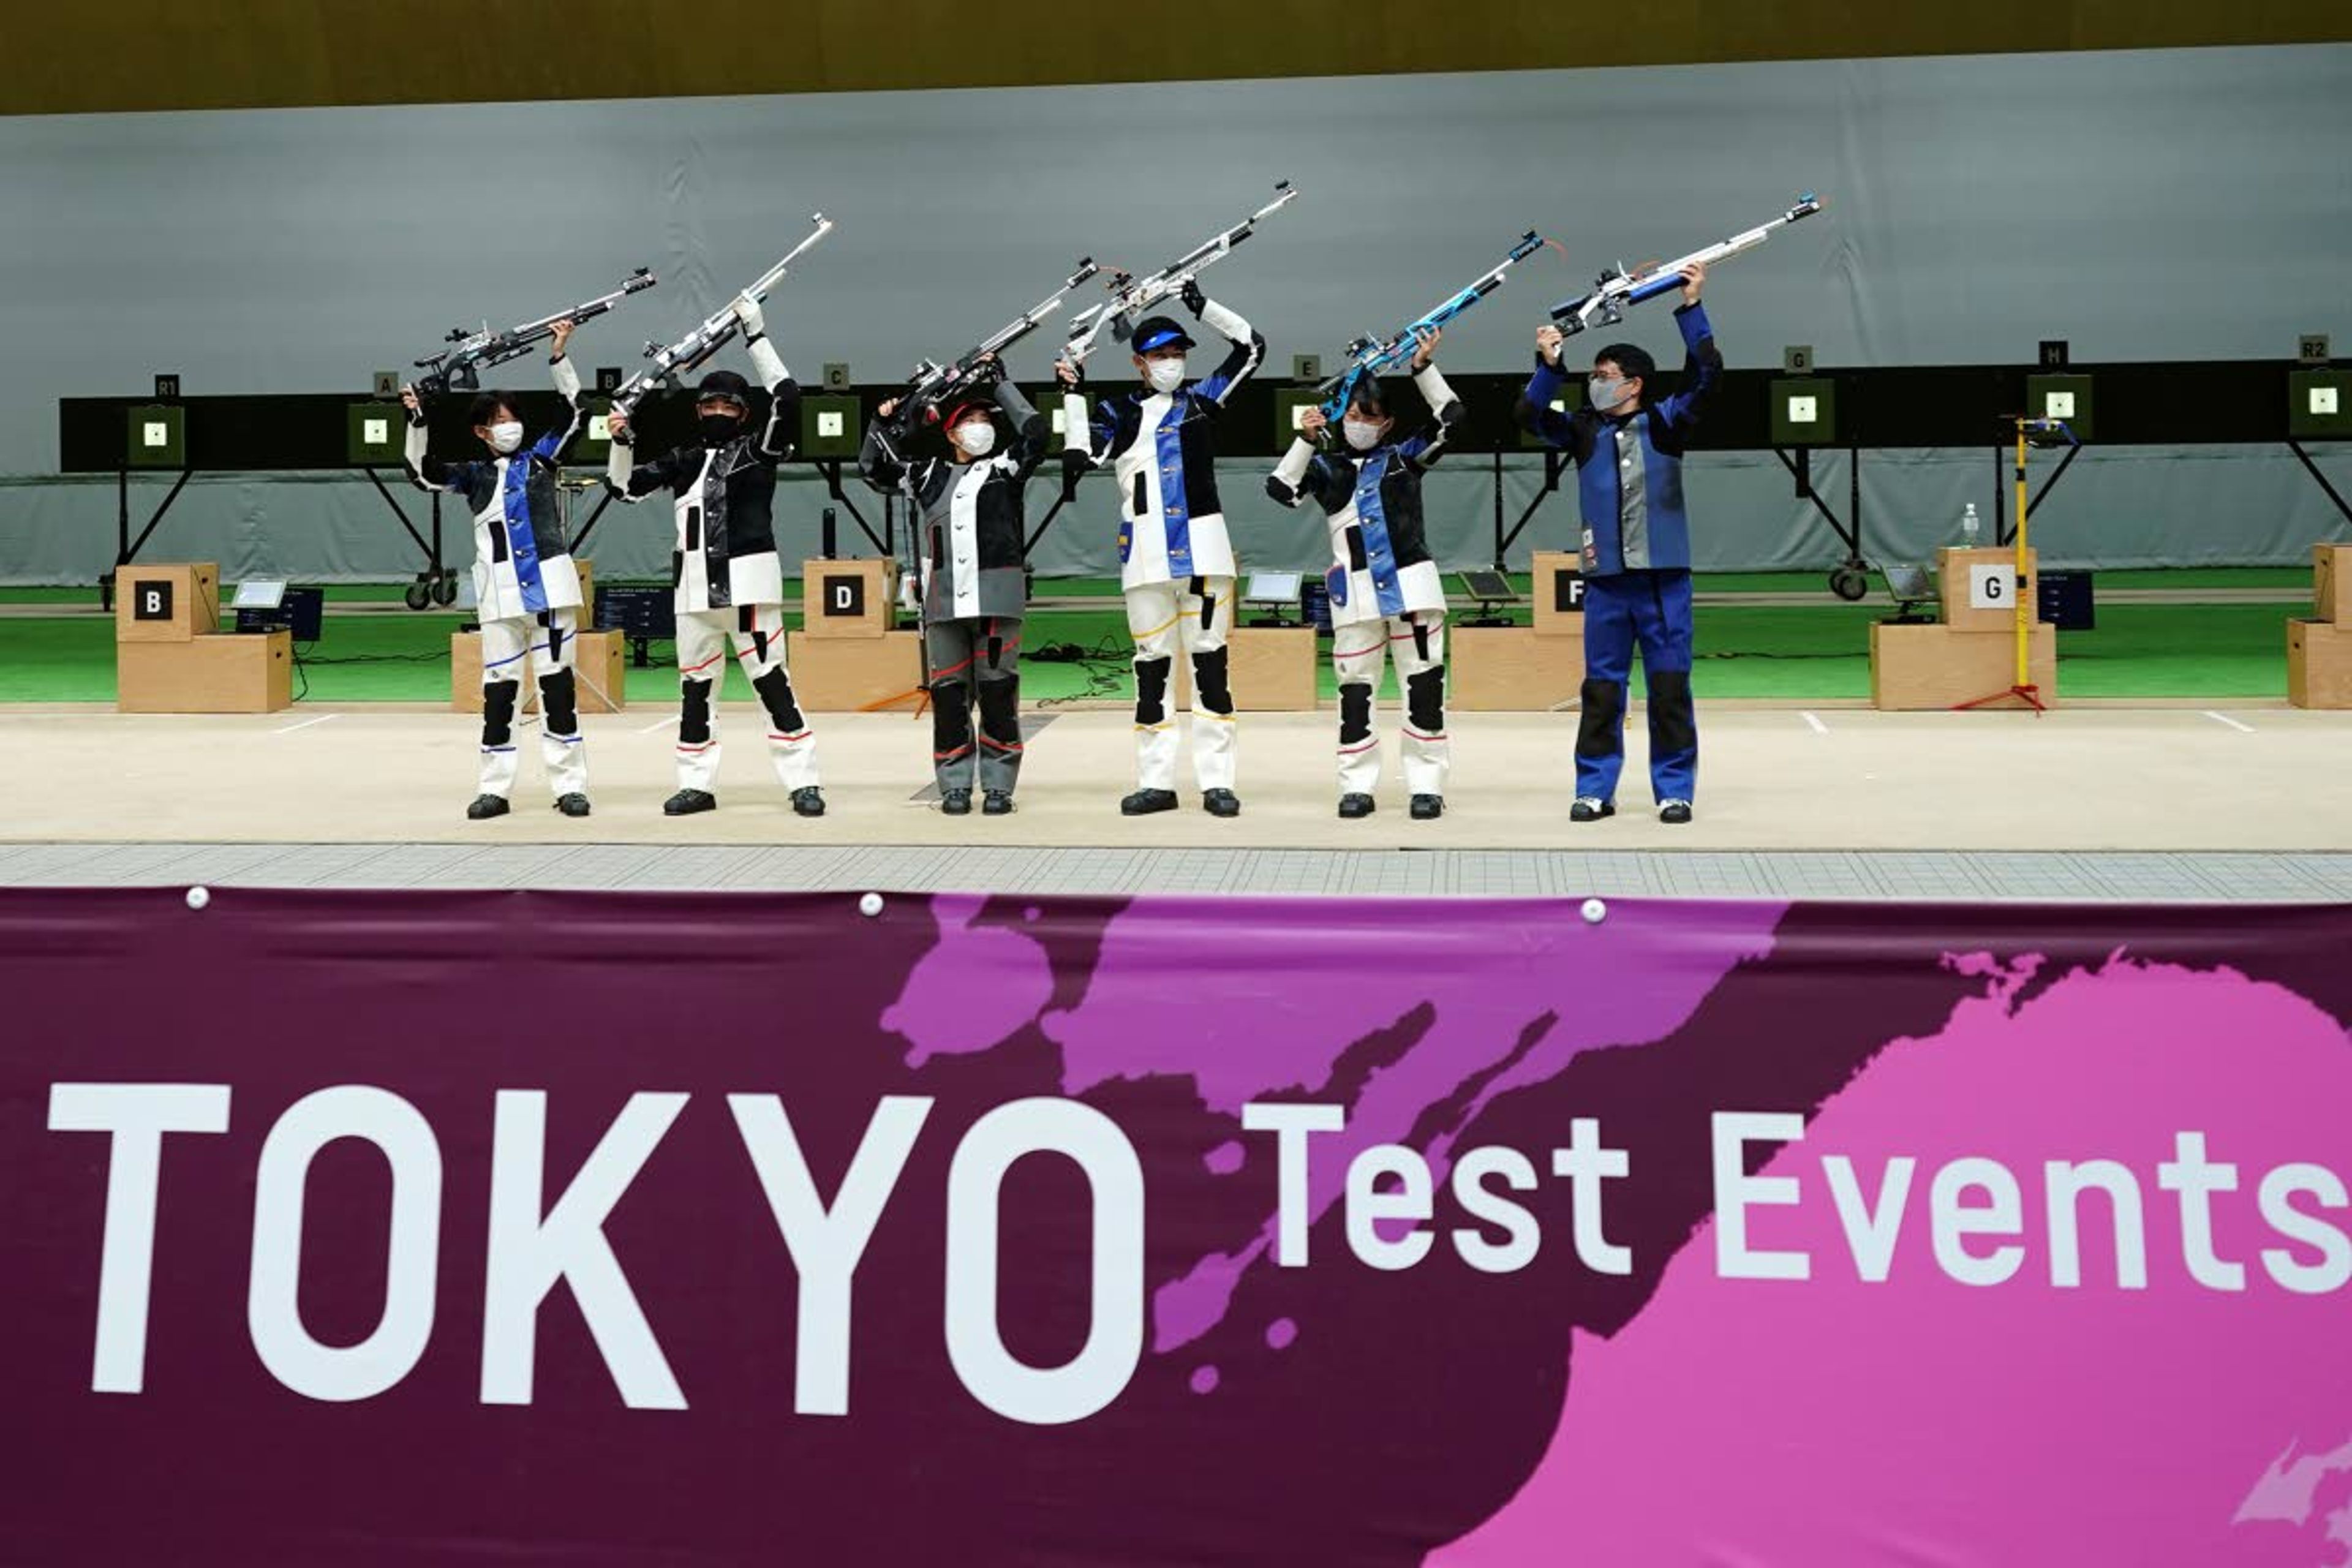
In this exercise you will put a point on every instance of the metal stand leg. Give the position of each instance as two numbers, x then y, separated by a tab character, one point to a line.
436	583
2296	447
126	549
1555	464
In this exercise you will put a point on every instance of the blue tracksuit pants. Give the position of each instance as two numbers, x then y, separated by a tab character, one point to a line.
1653	610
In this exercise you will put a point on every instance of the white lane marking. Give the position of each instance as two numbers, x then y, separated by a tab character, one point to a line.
1819	728
322	719
658	724
2225	718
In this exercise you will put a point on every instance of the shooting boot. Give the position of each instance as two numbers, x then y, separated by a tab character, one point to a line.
486	806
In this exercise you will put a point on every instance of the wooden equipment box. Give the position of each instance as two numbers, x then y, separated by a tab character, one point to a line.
166	602
1559	593
1270	668
603	658
1956	572
1929	666
848	598
252	672
840	674
2318	664
1514	669
2331	583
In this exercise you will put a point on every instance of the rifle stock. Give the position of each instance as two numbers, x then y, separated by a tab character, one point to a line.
671	361
1131	296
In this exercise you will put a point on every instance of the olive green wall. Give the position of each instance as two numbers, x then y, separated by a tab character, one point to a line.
167	54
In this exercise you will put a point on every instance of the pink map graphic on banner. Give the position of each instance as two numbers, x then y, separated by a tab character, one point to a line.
1839	1424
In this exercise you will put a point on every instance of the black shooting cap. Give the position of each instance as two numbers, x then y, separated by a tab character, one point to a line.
725	383
1158	333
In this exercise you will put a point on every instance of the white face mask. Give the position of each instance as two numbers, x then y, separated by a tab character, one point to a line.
1166	374
1604	393
976	437
505	436
1361	436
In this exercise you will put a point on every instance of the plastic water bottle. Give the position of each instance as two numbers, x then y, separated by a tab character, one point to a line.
1969	527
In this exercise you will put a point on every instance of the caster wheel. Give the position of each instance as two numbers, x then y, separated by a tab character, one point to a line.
445	590
416	596
1850	583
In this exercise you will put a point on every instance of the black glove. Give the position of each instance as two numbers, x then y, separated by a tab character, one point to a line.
1194	301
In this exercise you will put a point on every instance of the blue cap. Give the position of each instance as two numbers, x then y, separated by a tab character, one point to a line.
1158	333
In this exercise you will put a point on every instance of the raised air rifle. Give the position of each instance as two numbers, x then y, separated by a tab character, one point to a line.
934	384
683	357
1620	287
1369	356
459	369
1131	296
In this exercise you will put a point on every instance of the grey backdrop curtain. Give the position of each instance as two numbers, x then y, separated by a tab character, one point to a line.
2185	203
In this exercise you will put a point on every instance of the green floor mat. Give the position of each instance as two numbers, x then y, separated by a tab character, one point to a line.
1793	653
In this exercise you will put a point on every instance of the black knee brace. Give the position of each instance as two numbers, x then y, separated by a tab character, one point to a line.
499	712
559	699
1674	724
951	718
1604	710
1355	712
1208	688
1425	701
694	713
1152	690
775	690
1000	711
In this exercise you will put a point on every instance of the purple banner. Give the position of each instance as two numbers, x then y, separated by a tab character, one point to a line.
387	1228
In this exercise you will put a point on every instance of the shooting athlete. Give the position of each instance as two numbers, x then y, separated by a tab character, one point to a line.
525	584
1385	591
1637	556
1177	562
728	579
970	541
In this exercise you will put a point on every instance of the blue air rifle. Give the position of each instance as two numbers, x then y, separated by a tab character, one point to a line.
1620	287
683	357
459	369
1131	296
933	385
1369	356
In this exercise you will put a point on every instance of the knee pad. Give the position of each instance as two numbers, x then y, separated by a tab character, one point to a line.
559	699
1673	725
1355	712
1000	711
1209	688
1152	690
1604	710
775	690
694	713
499	712
951	716
1424	701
